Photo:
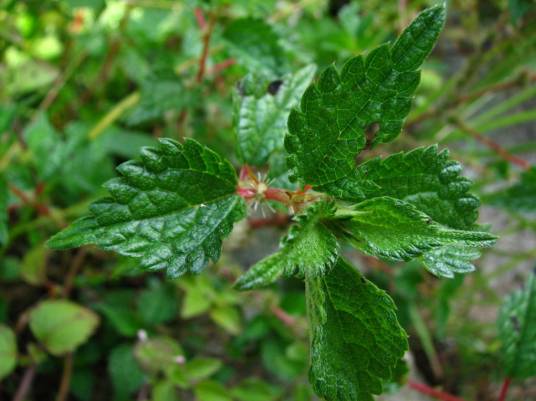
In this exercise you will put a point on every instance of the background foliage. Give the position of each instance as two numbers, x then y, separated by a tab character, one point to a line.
86	83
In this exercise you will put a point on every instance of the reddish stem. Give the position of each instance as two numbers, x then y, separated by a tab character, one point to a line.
200	18
206	43
432	392
504	389
222	66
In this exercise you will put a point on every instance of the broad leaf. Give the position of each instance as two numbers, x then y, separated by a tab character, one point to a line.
520	197
424	177
450	259
357	341
8	351
3	210
256	46
62	326
125	373
395	230
308	249
261	122
370	94
517	331
171	209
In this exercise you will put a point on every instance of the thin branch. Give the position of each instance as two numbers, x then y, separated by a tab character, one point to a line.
75	266
65	383
25	384
206	42
504	389
283	317
432	392
494	146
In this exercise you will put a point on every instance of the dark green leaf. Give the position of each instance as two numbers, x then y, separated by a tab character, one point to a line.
126	375
309	248
357	341
424	177
171	209
520	197
370	94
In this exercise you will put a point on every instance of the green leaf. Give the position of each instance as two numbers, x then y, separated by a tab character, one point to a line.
164	391
199	295
450	259
4	218
395	230
254	389
33	266
517	331
171	209
45	146
211	391
256	46
520	197
227	317
62	326
126	375
308	248
369	94
357	341
424	177
8	351
200	368
261	121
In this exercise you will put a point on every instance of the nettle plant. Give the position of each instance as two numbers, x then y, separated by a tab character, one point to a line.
173	207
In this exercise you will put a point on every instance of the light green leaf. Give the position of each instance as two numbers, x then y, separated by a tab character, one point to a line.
357	341
164	391
211	391
309	248
424	177
254	389
369	94
255	44
520	197
395	230
33	266
62	326
171	209
517	331
8	351
261	122
450	259
199	295
200	368
227	317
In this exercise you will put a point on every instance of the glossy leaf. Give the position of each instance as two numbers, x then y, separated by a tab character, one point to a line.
171	209
395	230
371	96
517	331
450	259
425	177
309	248
261	122
62	326
357	341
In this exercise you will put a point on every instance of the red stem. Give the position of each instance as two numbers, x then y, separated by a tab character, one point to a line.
432	392
200	18
504	389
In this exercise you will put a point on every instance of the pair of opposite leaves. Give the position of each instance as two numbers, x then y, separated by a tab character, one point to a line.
173	207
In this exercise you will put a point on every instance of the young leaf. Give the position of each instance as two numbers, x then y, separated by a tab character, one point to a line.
424	177
171	209
8	351
356	338
520	197
261	122
308	249
395	230
62	326
370	94
517	331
